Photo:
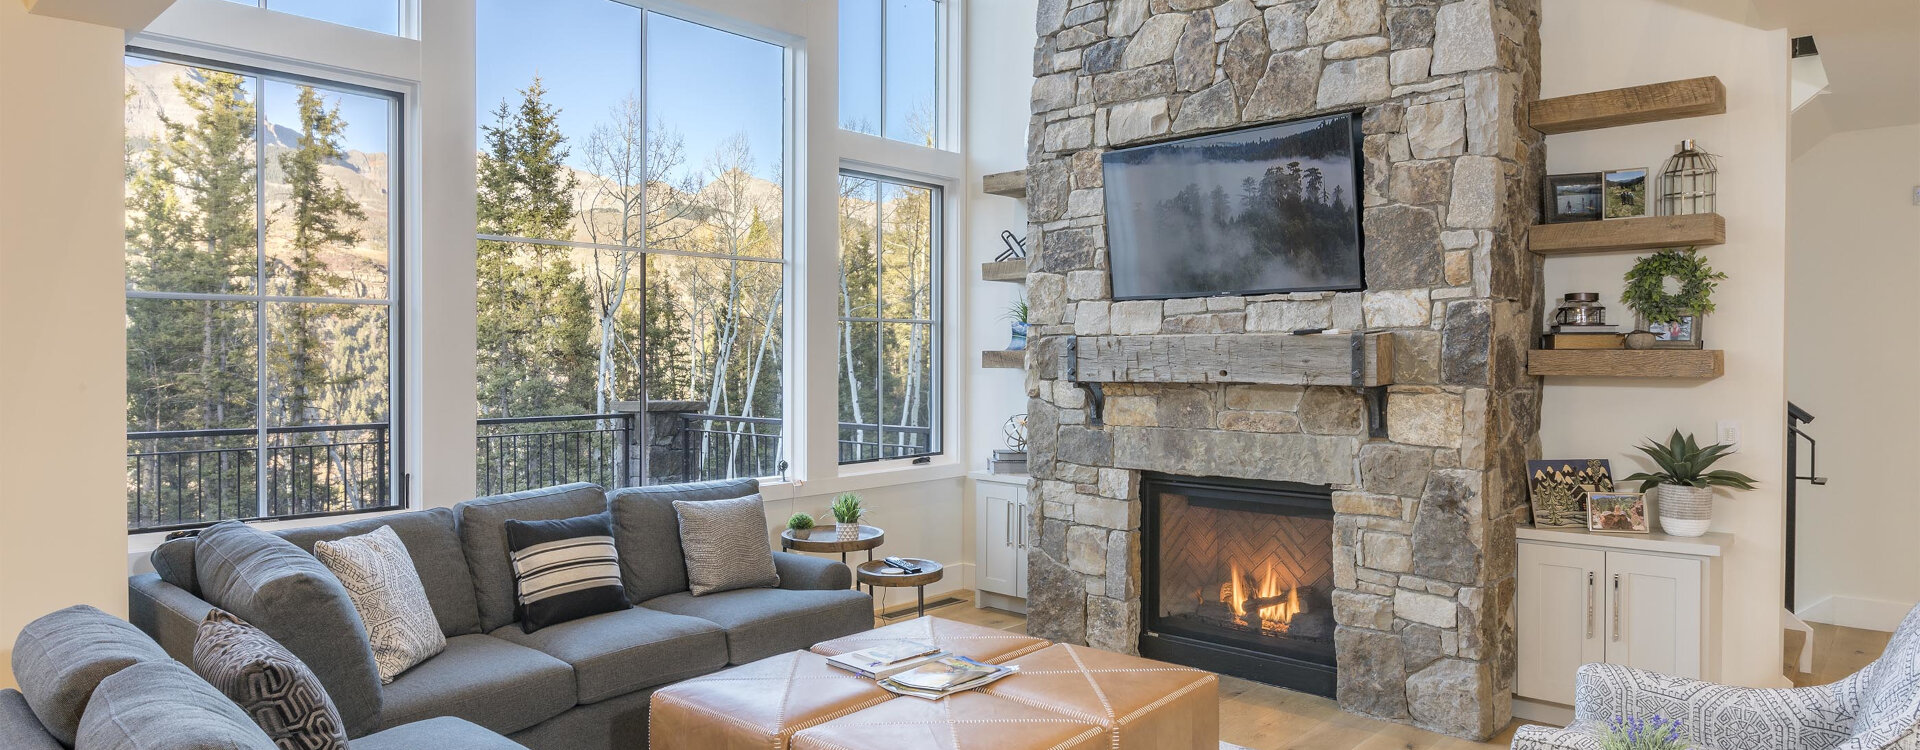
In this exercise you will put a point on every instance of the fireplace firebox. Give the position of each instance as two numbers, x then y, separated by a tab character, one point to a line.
1237	578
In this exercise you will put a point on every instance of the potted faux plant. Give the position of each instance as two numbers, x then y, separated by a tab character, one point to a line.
1674	317
1685	484
800	522
846	514
1016	315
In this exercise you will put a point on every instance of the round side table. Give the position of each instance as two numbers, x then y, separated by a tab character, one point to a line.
879	573
827	539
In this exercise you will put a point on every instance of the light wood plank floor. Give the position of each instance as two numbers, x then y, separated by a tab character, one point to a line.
1264	717
1837	652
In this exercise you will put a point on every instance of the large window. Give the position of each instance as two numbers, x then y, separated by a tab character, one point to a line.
632	254
890	69
261	291
889	319
383	16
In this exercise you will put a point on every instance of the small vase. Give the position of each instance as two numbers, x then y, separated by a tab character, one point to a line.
1019	343
1684	510
847	531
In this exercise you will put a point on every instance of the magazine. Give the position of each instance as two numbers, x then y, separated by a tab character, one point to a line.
944	676
887	659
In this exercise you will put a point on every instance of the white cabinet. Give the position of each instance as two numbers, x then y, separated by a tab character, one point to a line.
1000	554
1644	601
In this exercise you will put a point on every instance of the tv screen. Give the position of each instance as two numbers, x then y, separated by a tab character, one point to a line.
1264	210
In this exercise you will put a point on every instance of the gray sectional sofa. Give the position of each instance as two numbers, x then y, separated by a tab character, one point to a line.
580	684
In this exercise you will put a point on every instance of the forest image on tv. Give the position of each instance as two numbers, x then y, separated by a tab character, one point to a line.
1271	209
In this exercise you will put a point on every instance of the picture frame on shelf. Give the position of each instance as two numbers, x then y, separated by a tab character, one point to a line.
1684	333
1617	512
1572	197
1625	193
1557	489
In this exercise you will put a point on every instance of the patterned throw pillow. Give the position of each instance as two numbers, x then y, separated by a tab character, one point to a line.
565	570
274	688
725	542
385	589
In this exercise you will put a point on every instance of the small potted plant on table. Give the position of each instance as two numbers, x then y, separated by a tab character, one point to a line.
800	522
1685	483
847	514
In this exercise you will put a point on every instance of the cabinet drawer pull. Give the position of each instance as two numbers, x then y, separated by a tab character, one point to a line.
1008	535
1589	605
1616	607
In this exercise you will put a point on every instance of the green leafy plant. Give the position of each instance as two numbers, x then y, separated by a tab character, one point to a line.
1646	291
800	522
1683	462
1016	311
846	508
1634	733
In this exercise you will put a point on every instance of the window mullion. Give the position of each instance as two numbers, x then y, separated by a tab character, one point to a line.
260	460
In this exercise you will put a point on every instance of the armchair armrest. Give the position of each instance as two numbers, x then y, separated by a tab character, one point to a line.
19	728
1712	715
166	612
811	573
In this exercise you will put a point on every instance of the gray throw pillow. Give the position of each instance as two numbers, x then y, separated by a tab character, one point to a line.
60	658
163	705
380	579
272	686
726	544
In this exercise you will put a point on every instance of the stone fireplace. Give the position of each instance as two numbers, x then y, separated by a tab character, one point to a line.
1419	447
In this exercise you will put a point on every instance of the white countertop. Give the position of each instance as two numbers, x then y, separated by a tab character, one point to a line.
1709	545
988	476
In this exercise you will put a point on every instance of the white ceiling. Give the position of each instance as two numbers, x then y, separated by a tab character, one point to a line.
1871	49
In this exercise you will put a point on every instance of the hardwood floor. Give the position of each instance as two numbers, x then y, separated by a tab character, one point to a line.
1263	717
1837	652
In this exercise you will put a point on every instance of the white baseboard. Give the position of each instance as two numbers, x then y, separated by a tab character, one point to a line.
1857	612
1543	712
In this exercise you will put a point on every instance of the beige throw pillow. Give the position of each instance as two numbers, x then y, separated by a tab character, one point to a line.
385	589
725	543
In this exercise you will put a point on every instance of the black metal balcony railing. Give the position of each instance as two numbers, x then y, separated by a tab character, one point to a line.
521	453
714	446
868	442
191	477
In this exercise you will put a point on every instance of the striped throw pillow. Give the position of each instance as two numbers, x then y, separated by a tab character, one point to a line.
565	570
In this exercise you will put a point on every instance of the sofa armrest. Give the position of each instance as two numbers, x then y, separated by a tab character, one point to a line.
1815	718
19	728
167	613
811	573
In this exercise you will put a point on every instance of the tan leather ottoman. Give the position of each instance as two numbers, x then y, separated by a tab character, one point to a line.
756	706
1145	704
968	721
972	641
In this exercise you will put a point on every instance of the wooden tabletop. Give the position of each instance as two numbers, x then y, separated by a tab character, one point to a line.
827	539
879	573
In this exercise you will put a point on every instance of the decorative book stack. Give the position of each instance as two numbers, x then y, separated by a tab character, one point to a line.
1585	337
1008	462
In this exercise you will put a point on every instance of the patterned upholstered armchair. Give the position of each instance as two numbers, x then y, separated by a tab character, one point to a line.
1878	707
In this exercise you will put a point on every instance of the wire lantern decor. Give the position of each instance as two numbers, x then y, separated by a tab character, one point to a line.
1690	181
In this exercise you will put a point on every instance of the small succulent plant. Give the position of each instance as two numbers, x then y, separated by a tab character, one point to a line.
1683	462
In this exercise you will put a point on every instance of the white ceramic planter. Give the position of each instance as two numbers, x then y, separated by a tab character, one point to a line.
847	531
1684	510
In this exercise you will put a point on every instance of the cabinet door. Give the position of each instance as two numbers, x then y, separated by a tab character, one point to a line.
999	558
1559	618
1653	613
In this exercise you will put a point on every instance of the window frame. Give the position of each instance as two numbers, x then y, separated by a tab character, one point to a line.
406	24
945	95
937	268
400	253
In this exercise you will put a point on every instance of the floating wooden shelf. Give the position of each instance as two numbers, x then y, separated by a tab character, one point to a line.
1005	270
1003	360
1009	184
1350	359
1700	364
1614	235
1673	100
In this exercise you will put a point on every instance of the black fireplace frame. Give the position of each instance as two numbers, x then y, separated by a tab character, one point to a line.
1289	498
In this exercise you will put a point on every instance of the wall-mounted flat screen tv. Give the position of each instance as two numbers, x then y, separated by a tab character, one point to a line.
1263	210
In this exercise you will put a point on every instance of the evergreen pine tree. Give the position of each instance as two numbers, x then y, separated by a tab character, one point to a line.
318	209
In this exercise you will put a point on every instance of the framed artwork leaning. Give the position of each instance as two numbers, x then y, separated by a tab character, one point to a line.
1557	489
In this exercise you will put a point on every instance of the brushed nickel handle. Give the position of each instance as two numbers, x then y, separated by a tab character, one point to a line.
1023	526
1616	607
1008	535
1590	590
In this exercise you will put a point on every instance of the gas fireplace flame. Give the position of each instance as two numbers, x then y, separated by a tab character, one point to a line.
1272	602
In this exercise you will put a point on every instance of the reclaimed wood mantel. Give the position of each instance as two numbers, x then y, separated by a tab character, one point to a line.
1349	359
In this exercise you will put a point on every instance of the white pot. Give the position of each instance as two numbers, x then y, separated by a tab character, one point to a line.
847	531
1685	510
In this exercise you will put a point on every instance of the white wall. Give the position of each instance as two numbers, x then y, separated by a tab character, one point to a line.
62	323
1591	46
1853	261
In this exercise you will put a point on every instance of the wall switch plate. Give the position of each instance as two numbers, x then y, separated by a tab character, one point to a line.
1727	432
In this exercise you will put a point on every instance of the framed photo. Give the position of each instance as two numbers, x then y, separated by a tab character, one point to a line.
1626	193
1557	489
1573	197
1617	512
1681	334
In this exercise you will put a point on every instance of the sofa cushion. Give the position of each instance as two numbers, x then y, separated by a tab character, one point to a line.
647	532
443	733
564	570
764	622
59	659
386	591
173	561
505	687
633	649
725	542
433	543
295	600
19	728
483	537
163	705
270	686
